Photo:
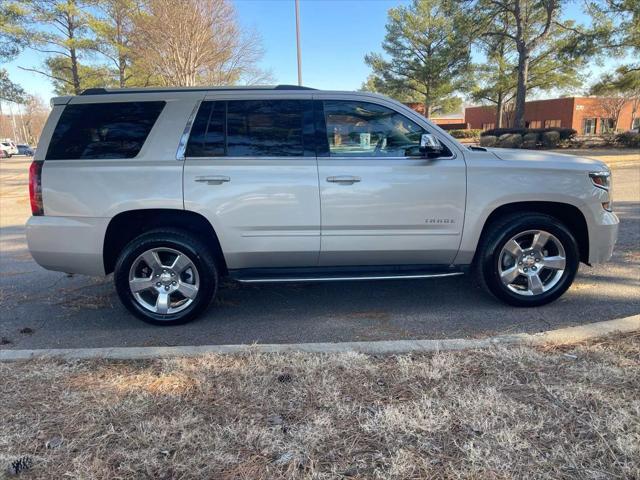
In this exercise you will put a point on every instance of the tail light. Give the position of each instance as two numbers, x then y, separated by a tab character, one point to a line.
35	188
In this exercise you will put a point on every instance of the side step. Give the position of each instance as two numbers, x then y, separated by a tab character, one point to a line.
340	274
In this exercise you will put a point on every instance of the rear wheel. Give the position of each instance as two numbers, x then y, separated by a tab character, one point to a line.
166	277
527	260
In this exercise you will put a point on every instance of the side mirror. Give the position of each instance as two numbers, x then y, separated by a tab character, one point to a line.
430	145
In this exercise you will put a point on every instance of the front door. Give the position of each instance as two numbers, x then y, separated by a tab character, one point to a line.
250	169
381	202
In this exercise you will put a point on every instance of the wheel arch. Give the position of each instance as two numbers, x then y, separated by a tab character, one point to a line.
568	214
127	225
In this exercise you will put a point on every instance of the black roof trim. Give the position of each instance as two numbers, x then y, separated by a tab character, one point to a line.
105	91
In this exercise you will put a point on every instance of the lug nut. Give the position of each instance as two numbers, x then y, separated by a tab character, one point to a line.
534	268
525	269
173	274
166	287
519	263
537	259
173	282
158	284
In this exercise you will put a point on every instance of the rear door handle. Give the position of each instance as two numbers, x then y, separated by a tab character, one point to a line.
344	179
213	179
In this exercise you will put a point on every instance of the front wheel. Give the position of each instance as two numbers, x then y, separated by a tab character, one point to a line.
528	260
166	277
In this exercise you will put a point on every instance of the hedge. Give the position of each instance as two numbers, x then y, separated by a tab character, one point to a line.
468	133
565	133
629	139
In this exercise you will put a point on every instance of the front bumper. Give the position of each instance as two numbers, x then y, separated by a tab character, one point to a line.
602	237
68	244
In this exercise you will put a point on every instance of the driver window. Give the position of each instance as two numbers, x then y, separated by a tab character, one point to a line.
361	129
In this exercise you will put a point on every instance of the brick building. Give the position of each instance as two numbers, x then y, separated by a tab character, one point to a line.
586	115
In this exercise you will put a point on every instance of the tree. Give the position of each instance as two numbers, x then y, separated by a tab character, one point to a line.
616	91
427	54
11	42
194	42
61	71
34	116
535	31
615	27
59	28
112	25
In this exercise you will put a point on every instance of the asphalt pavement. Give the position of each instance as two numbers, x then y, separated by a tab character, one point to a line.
43	309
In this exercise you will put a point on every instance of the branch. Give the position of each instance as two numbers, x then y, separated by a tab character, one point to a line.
46	75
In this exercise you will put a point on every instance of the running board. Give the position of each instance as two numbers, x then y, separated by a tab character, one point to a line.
337	275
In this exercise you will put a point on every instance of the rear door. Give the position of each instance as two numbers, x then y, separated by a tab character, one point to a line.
381	202
250	168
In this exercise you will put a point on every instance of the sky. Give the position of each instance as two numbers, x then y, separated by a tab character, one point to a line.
335	36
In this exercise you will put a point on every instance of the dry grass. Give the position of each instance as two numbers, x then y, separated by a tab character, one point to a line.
563	412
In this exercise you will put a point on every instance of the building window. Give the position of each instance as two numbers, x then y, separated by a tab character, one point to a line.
551	123
589	126
606	125
535	124
488	126
636	123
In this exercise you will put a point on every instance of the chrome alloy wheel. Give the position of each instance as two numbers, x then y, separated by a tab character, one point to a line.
532	262
164	280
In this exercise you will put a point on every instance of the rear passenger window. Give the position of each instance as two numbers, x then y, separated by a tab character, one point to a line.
253	128
103	130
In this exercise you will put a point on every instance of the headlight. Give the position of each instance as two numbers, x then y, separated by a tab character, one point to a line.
601	179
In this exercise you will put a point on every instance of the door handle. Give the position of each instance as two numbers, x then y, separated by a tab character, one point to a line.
213	179
344	179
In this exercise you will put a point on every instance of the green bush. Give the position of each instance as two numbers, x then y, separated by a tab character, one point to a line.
628	139
565	133
468	133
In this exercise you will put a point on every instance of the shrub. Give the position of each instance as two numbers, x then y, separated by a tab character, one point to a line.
510	140
488	141
530	140
550	139
565	133
468	133
628	139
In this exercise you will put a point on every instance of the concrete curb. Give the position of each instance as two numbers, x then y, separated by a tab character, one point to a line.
551	337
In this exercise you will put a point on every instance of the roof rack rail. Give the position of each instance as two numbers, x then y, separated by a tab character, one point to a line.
105	91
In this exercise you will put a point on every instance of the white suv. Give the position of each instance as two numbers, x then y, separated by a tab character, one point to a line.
171	189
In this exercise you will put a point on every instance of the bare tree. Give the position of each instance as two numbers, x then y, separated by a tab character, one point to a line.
35	113
194	42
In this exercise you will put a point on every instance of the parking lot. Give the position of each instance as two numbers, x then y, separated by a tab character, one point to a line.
42	309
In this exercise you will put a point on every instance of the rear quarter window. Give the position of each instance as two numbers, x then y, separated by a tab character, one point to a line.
103	130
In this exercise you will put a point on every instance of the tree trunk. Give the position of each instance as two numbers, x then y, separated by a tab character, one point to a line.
122	72
75	77
427	109
499	111
521	92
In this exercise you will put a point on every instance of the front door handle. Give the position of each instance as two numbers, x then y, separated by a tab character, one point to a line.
344	179
213	179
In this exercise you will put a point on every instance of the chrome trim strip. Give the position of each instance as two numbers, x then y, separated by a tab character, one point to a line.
340	279
182	145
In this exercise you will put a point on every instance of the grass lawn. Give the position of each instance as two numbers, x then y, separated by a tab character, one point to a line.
561	412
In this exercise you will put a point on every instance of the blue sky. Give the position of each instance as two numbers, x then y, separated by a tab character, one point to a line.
335	36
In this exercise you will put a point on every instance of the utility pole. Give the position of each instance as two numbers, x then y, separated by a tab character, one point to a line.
298	42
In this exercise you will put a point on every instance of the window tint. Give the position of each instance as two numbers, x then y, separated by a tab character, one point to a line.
103	130
253	128
361	129
264	128
207	133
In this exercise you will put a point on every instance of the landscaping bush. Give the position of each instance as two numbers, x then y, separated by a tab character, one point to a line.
488	141
530	140
510	140
565	133
628	139
550	139
467	133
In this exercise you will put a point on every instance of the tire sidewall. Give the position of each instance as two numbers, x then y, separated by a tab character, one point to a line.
185	244
493	248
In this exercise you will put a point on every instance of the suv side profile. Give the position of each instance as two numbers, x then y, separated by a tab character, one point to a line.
173	189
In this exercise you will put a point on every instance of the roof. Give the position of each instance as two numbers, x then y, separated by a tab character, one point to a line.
105	91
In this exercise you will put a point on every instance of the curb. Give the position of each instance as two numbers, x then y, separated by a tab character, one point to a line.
552	337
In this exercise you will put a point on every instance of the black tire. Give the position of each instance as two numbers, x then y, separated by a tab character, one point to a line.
185	243
499	233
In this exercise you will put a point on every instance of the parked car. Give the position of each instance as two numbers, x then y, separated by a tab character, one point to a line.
4	152
173	189
24	149
10	147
